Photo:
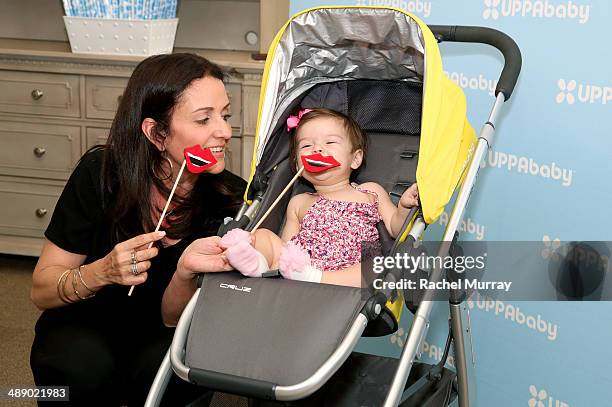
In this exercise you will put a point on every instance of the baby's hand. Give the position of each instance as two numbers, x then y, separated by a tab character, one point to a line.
410	197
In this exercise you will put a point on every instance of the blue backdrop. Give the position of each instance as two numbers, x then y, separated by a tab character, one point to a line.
546	179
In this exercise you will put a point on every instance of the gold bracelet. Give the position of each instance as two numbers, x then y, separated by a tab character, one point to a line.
74	285
61	283
59	292
66	296
83	281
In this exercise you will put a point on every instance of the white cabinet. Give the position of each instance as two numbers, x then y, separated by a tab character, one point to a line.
54	106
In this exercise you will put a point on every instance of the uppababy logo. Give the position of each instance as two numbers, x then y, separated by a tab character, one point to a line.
541	398
235	287
491	10
571	91
526	165
551	246
474	83
412	6
399	337
465	226
514	314
536	9
432	351
436	352
577	256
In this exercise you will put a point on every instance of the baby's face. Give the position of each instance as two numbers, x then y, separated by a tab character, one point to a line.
326	136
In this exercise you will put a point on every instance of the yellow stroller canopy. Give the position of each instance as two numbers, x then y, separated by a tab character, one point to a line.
330	44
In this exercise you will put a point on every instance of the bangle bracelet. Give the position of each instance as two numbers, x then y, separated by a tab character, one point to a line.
66	296
83	281
74	285
61	287
59	283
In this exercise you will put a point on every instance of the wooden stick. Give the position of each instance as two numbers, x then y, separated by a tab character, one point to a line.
277	200
163	215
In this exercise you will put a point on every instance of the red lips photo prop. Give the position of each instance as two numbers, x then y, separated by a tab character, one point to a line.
198	159
318	163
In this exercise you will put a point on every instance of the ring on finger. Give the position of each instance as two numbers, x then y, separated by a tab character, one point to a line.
134	264
135	269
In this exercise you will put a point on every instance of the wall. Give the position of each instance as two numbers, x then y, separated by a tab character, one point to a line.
205	24
559	121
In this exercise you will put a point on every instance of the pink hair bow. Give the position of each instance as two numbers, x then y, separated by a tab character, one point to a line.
293	121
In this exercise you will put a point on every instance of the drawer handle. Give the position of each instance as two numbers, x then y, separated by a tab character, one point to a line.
37	94
39	151
40	212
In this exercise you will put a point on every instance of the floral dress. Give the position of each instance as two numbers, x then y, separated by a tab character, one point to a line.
332	232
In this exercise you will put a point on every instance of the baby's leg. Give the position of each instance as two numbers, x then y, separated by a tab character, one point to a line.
269	244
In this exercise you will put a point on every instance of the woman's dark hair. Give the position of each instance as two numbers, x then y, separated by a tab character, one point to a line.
356	135
131	164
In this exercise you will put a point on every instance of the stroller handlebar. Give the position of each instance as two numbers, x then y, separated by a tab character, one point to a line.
485	35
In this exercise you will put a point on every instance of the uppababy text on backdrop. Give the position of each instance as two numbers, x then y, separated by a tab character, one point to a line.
474	83
536	9
412	6
528	165
513	313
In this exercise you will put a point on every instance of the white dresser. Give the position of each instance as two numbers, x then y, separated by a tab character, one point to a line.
54	105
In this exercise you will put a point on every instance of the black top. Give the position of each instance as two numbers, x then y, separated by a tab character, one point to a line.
80	225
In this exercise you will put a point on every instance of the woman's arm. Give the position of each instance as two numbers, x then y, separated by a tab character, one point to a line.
52	263
201	256
176	296
114	268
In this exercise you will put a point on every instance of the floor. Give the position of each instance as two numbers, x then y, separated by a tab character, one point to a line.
17	318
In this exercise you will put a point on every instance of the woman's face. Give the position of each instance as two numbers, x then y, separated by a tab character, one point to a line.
200	117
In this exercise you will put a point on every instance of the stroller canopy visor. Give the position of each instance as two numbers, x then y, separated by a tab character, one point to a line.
331	44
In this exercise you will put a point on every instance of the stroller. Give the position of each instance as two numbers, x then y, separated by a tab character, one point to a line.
277	340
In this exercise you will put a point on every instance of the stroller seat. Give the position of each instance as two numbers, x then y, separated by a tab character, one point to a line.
272	333
285	332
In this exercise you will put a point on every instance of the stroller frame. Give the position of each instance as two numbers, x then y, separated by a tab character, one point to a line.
459	312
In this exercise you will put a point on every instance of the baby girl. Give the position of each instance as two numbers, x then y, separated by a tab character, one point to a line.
323	232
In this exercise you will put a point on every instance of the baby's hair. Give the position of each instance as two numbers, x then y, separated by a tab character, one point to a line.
356	135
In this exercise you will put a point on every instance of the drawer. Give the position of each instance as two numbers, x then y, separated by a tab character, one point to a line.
39	93
234	93
95	136
26	207
39	150
103	96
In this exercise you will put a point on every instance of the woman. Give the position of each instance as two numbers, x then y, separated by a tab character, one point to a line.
105	345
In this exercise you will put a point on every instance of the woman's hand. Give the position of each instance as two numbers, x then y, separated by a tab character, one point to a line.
202	256
114	268
128	262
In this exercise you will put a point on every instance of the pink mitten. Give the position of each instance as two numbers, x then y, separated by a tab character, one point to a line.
246	259
233	237
294	264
